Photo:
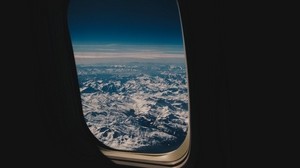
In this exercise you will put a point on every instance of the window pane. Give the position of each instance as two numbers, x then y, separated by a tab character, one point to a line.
131	68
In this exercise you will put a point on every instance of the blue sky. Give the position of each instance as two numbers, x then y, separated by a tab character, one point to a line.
145	27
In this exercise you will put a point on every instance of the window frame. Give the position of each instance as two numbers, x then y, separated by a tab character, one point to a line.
175	158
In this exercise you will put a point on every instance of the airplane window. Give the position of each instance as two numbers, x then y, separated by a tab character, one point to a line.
132	72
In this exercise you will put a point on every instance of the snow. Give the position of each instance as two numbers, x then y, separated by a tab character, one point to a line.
134	106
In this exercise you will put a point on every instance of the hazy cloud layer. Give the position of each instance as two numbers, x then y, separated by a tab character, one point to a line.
113	52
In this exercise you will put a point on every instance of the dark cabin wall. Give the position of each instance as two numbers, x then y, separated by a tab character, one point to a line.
203	22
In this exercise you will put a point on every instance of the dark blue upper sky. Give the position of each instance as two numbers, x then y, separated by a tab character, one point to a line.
151	22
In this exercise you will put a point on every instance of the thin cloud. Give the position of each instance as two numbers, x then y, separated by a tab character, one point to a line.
136	55
128	51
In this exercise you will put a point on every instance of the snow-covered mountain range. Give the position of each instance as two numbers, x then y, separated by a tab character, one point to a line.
136	106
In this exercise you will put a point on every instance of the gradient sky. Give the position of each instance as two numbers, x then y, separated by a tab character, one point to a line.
151	22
